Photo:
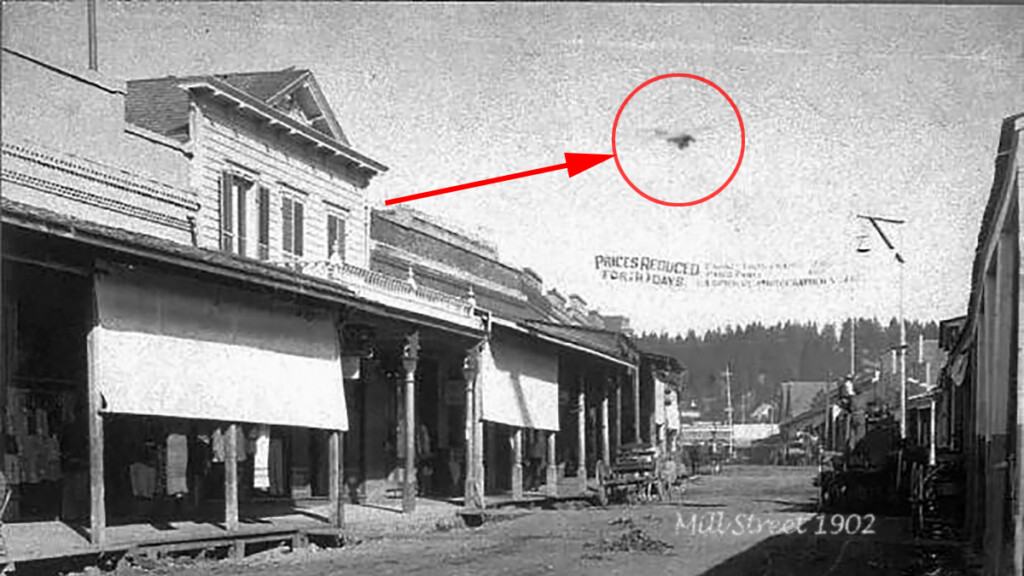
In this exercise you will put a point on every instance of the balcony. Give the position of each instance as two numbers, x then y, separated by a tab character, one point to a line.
391	291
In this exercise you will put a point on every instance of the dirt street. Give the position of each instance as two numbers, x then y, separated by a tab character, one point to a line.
749	520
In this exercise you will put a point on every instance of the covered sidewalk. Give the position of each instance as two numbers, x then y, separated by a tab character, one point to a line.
41	541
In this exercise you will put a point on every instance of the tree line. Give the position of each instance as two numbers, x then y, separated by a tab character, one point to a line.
761	357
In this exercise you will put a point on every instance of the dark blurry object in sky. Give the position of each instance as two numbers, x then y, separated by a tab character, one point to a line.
682	140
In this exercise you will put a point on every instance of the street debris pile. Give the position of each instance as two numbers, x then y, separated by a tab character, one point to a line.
634	539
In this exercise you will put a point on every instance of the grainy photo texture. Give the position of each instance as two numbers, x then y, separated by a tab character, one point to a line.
333	288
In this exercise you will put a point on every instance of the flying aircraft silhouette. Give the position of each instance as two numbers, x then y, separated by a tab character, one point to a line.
681	139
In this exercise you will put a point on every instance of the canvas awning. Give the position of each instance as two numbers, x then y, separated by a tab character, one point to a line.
172	346
659	400
519	383
672	410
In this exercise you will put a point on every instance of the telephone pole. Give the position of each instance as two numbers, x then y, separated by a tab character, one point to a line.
728	409
902	347
853	347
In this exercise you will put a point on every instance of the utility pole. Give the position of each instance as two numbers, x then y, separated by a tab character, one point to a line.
93	52
902	348
853	347
828	410
728	410
743	408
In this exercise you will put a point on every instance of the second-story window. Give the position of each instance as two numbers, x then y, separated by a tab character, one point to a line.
263	223
233	211
244	216
335	237
292	222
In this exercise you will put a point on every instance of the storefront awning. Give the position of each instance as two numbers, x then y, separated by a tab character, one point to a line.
171	346
519	383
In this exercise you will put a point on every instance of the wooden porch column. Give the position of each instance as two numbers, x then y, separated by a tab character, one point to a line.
478	443
336	475
472	486
581	433
410	355
636	403
606	455
517	464
97	491
552	467
231	477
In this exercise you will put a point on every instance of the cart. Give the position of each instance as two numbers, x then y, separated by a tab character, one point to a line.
637	475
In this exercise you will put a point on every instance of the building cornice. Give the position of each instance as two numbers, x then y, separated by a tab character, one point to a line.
100	173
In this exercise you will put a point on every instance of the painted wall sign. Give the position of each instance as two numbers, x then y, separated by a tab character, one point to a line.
682	274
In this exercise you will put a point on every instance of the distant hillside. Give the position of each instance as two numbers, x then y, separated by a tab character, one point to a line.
762	357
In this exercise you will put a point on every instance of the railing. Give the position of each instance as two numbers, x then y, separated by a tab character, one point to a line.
384	288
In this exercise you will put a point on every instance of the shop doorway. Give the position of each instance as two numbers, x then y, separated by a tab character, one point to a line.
47	314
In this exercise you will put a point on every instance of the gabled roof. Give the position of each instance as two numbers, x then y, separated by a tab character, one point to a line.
161	104
264	85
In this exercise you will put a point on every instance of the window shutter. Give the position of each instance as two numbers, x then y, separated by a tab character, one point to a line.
225	212
263	197
332	234
287	224
298	228
242	188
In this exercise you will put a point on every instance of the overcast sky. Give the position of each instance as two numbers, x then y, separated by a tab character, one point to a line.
887	110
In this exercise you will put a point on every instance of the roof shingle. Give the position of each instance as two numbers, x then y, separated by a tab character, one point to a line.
161	105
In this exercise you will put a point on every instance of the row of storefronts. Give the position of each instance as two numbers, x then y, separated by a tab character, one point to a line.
204	320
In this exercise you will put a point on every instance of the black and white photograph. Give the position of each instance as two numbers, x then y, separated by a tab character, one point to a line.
318	288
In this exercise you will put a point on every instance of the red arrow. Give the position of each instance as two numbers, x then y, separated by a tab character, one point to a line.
574	163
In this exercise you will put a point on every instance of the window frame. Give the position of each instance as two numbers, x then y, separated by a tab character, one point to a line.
293	230
341	216
234	209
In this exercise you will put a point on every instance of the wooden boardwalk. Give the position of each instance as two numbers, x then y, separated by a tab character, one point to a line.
36	541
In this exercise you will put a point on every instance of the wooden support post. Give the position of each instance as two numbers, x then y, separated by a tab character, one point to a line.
409	485
606	453
97	490
231	478
478	445
469	477
336	477
617	430
410	356
636	404
474	480
551	476
517	464
581	433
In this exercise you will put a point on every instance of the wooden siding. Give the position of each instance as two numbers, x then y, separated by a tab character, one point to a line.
226	141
